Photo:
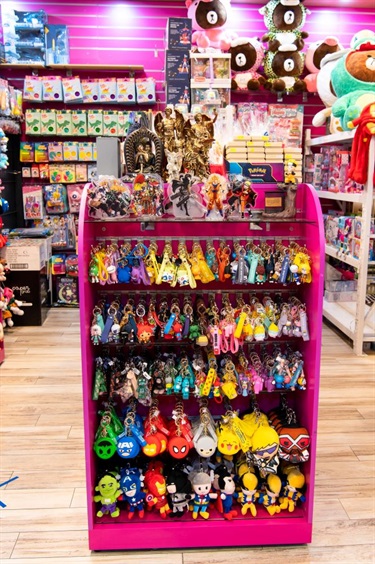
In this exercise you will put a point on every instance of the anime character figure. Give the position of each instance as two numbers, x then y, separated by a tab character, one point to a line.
215	189
179	489
290	174
228	492
131	485
109	492
294	439
290	494
270	497
157	489
201	484
249	494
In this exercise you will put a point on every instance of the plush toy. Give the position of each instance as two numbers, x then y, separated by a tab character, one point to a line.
209	19
109	492
247	56
179	489
11	307
228	492
353	80
249	494
201	484
284	20
271	494
131	483
290	495
315	53
326	93
363	34
157	489
283	70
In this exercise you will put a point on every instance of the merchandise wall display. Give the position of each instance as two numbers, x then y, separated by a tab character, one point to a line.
138	457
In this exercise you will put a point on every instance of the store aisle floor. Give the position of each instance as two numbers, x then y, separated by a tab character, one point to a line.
44	521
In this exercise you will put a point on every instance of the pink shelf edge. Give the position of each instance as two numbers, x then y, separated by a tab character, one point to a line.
153	535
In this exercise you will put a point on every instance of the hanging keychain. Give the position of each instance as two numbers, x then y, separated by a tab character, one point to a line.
97	326
156	432
130	441
167	271
204	433
180	439
105	444
184	275
100	380
151	262
211	259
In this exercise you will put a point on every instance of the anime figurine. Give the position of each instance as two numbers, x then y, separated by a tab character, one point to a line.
290	495
179	489
270	497
131	485
265	448
294	439
215	189
157	489
290	174
109	492
249	494
228	492
174	164
186	200
201	484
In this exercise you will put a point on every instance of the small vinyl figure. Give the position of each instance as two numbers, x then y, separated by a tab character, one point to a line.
109	492
157	489
201	484
131	485
290	495
270	497
249	494
227	491
179	489
215	189
290	172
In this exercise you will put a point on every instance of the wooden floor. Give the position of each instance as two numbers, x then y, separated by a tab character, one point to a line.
42	442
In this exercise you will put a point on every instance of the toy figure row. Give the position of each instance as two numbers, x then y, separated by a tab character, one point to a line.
244	263
264	439
175	490
203	375
186	197
224	325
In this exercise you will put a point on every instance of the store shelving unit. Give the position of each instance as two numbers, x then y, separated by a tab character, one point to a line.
152	532
355	319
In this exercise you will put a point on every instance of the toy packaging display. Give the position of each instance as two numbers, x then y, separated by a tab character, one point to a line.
126	92
286	124
179	33
178	94
32	202
55	197
52	89
32	120
79	122
62	228
107	90
210	68
90	90
67	291
33	89
57	44
23	35
75	192
72	89
146	90
177	65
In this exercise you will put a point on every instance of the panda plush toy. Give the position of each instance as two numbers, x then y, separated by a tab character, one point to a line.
246	58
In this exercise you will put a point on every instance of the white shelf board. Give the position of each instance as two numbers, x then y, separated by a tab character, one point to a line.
343	138
332	252
342	315
340	196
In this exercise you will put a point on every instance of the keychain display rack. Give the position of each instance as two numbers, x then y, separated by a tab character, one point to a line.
152	532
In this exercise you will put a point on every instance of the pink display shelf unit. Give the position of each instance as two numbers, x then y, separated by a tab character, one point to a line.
153	532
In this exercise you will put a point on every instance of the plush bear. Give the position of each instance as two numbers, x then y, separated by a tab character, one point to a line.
353	80
284	20
314	56
326	93
247	56
209	18
283	71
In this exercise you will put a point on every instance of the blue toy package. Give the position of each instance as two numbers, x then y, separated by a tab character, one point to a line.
56	198
57	45
23	35
67	291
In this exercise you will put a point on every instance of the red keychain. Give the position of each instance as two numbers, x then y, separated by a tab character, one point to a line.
181	436
156	432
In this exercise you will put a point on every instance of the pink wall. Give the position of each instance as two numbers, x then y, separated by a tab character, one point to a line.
133	32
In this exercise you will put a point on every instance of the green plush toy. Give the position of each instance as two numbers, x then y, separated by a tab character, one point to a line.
353	81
